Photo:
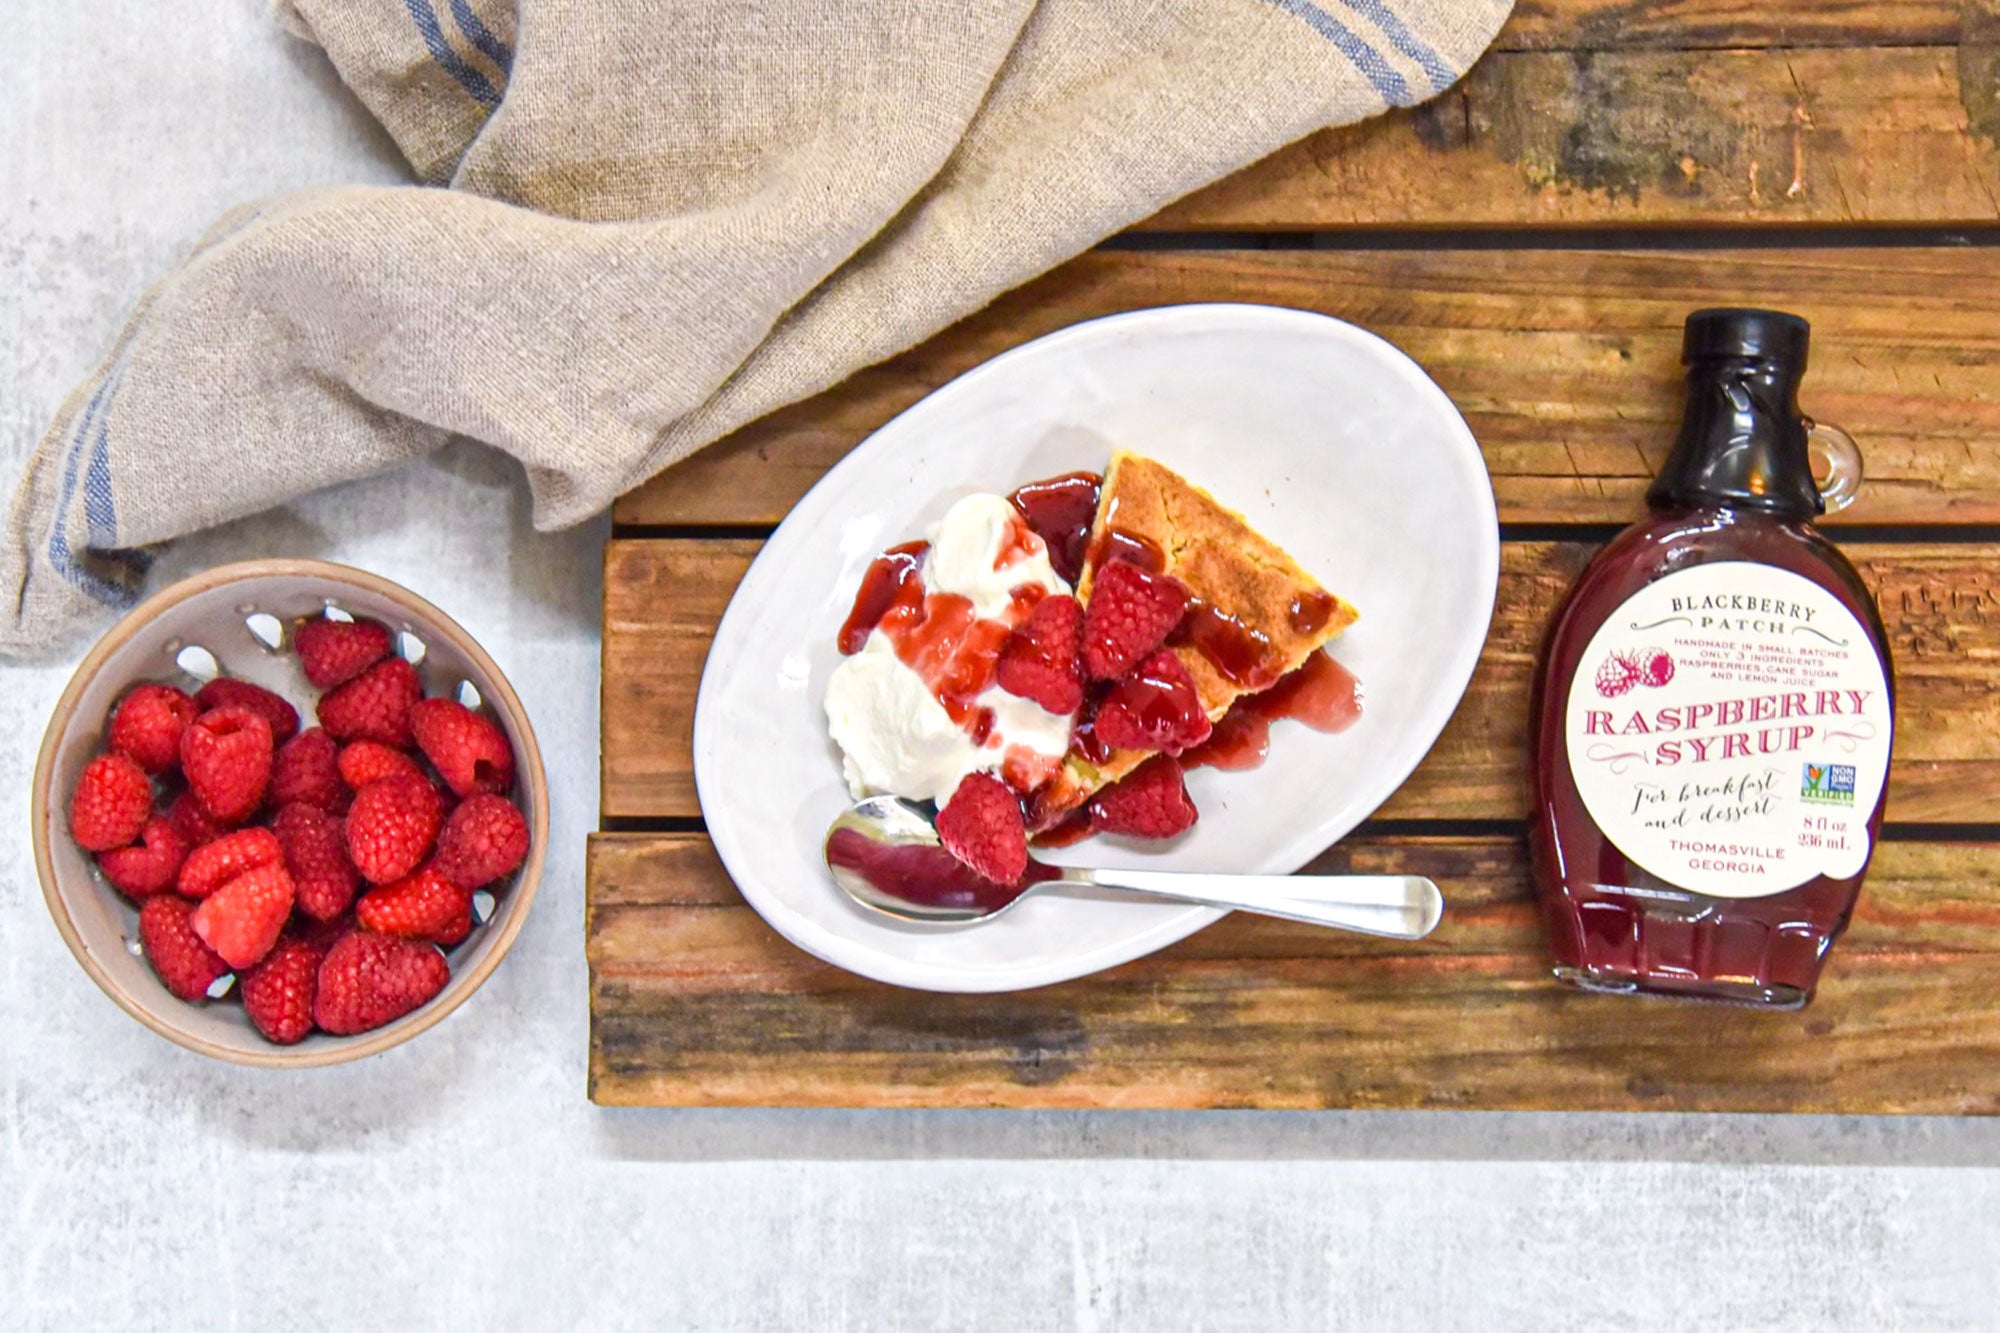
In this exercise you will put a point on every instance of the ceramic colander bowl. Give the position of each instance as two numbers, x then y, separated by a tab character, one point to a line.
237	620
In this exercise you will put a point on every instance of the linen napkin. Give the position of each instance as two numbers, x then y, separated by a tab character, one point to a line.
644	223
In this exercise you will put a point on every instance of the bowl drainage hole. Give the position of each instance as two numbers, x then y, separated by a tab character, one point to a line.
266	629
198	662
468	694
410	648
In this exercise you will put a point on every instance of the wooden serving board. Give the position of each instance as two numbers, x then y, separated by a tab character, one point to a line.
1534	240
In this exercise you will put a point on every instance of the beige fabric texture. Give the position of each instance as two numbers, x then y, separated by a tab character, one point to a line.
646	223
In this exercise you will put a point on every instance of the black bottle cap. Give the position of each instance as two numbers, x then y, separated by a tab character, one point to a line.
1743	440
1757	335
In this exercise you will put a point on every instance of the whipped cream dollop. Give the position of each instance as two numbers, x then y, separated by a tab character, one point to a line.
883	704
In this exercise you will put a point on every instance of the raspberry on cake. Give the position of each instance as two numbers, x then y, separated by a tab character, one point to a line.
1253	616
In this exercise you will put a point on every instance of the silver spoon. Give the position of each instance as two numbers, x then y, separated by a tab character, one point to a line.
884	852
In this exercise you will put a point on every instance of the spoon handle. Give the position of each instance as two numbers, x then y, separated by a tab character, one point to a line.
1403	907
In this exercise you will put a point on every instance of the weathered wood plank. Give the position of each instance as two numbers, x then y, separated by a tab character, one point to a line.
662	603
1608	25
1941	604
1609	138
1565	363
695	1002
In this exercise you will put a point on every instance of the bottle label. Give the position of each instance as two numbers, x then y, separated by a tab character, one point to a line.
1728	730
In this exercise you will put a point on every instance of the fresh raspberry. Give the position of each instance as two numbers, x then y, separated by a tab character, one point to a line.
242	919
423	906
1154	708
374	706
148	724
322	935
194	823
228	692
187	966
307	768
213	865
1131	612
368	980
1618	675
109	807
1151	802
140	871
1656	667
334	652
391	827
363	762
485	838
226	757
1043	658
316	855
278	992
468	749
981	825
455	931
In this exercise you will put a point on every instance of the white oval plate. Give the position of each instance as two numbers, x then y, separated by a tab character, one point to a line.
1329	440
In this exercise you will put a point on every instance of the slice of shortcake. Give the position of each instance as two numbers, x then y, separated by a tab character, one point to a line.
1241	616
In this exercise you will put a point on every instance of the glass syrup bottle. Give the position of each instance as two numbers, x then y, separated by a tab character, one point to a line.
1713	710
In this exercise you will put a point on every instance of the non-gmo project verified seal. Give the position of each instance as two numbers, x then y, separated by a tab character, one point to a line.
1828	784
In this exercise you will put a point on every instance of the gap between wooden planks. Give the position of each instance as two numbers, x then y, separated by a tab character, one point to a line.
1565	364
663	599
696	1002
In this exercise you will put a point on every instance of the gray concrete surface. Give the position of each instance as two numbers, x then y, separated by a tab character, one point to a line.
464	1181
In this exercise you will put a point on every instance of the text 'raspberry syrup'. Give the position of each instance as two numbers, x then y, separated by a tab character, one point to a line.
1713	710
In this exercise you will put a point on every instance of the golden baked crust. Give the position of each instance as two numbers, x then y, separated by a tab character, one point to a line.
1256	615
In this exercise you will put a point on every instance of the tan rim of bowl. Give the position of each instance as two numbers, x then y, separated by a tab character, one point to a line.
520	897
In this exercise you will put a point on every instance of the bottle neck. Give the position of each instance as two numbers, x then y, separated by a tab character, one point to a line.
1742	444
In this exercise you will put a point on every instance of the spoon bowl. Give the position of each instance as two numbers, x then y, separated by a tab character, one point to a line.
884	852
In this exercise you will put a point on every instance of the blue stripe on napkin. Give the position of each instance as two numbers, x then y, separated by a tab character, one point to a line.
1365	57
100	518
1441	75
424	15
482	36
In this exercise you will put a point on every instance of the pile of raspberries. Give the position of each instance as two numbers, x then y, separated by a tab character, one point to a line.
327	869
1110	660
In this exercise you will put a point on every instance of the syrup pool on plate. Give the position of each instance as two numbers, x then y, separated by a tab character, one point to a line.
1322	694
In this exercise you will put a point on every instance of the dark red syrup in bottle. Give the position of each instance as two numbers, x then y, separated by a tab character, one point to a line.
1713	710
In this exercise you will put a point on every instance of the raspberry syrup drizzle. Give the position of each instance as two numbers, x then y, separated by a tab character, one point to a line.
1241	655
939	635
888	581
1061	510
1322	694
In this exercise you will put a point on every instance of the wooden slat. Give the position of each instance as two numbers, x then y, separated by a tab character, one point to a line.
1565	363
695	1002
1941	604
662	602
1607	25
1688	138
